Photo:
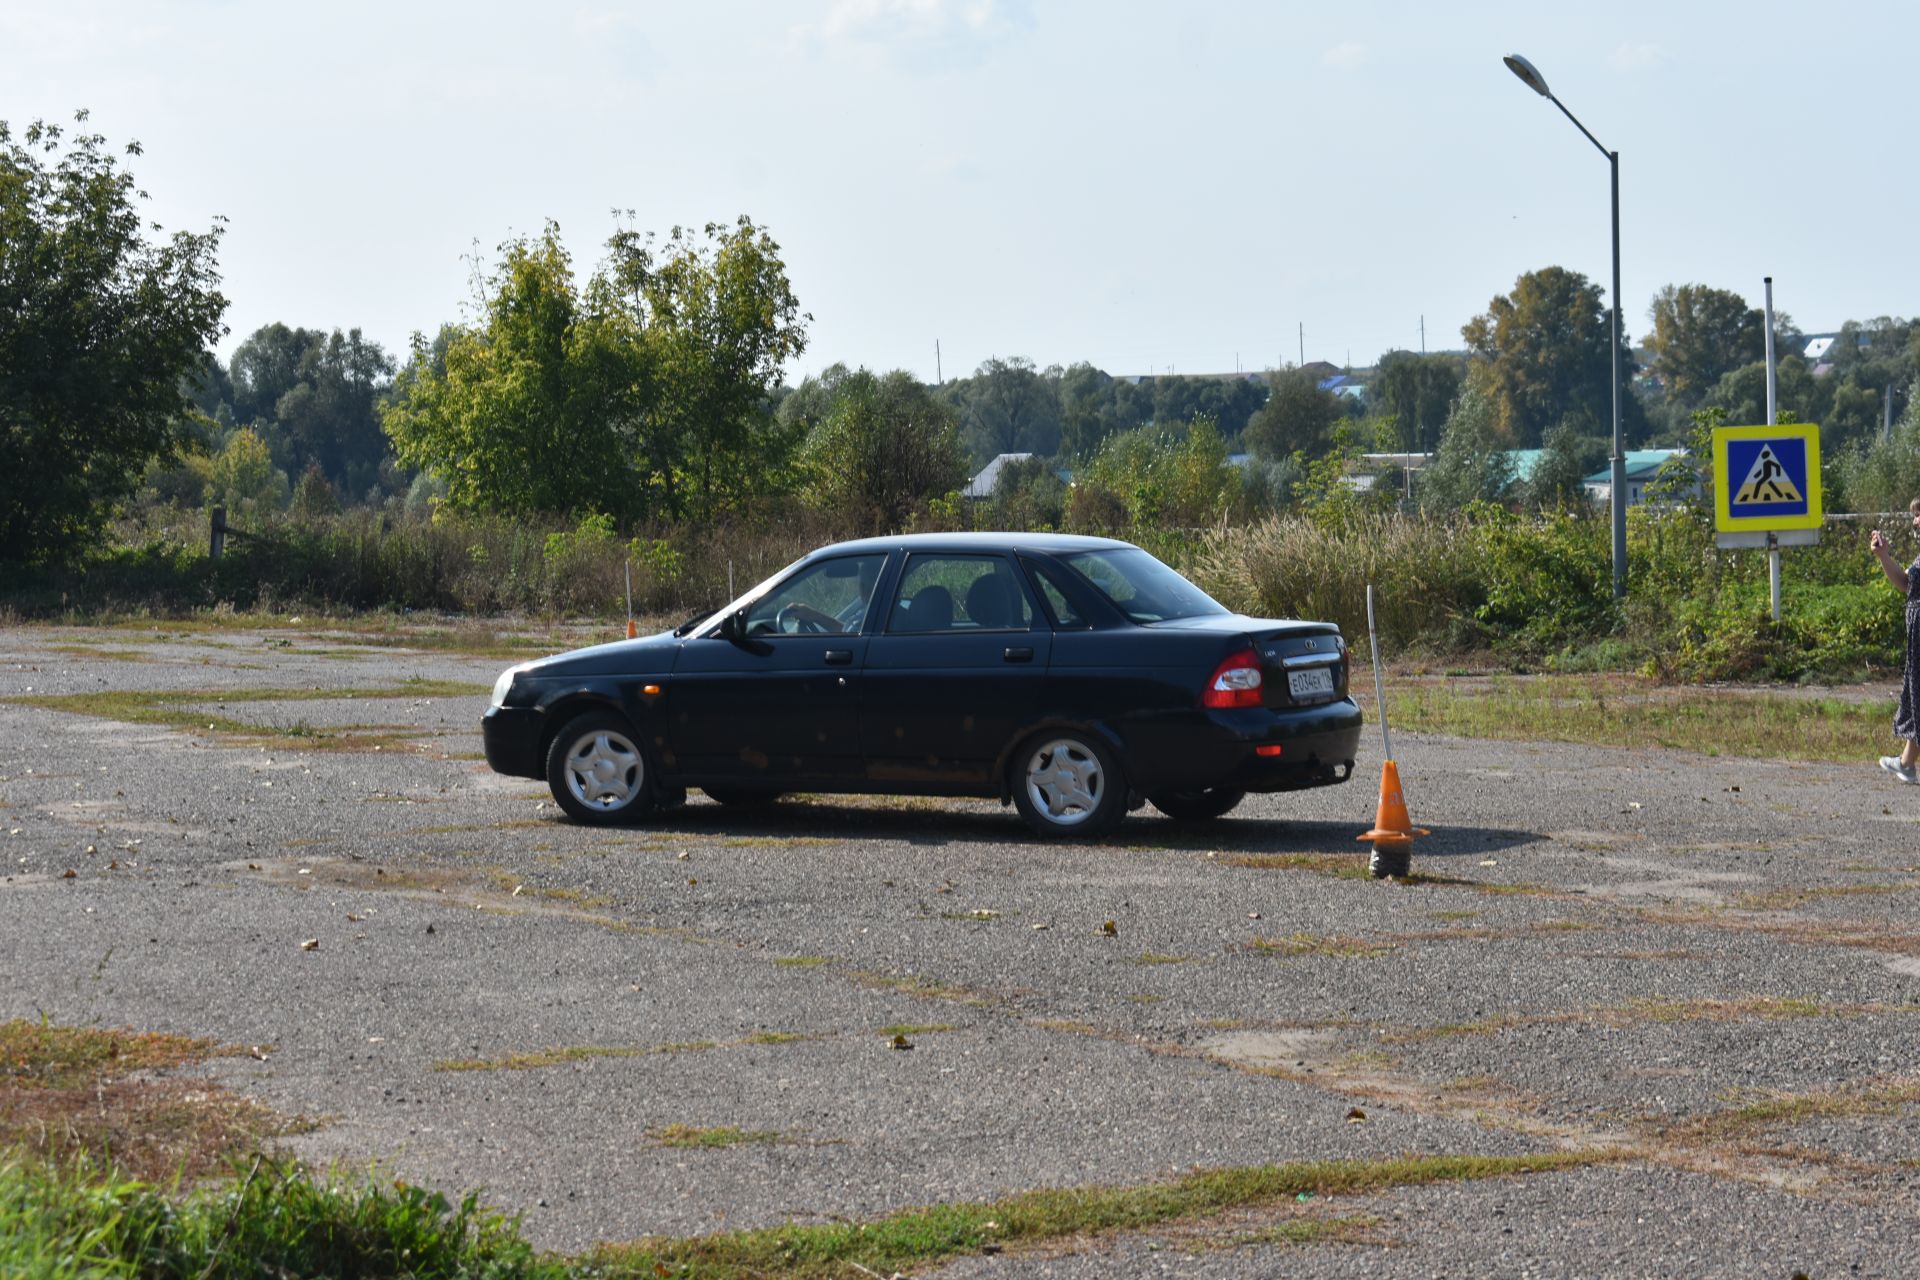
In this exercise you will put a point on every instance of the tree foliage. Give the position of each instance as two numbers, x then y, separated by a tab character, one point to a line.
883	448
647	393
1298	417
101	328
1418	392
1541	356
1472	463
1701	334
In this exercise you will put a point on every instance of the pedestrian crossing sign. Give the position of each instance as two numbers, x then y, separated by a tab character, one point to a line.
1766	479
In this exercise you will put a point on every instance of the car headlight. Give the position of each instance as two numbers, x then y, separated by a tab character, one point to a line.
503	685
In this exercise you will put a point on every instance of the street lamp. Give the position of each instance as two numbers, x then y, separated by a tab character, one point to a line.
1531	77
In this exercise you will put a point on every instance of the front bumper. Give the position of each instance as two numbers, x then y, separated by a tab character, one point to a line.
512	737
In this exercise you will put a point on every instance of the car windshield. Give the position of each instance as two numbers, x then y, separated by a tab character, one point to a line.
1141	587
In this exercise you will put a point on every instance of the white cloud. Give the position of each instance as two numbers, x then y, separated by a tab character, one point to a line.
1345	56
924	32
1629	58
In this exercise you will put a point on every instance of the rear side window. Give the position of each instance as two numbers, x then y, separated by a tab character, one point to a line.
959	593
1047	578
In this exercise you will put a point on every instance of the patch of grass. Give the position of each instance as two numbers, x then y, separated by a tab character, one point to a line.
1344	866
87	1098
914	1029
782	1037
96	651
712	1138
183	711
1787	899
1771	1109
559	1055
1159	957
277	1220
802	962
923	1237
1628	711
1308	944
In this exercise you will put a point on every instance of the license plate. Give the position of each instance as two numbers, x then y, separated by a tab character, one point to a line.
1314	680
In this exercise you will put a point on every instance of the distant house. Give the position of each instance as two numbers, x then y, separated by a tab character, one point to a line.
1642	466
984	484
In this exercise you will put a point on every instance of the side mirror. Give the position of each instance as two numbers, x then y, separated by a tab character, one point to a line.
734	626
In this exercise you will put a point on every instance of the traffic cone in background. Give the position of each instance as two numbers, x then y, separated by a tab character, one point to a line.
1393	831
633	632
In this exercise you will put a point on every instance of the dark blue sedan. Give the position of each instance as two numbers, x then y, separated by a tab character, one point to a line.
1073	677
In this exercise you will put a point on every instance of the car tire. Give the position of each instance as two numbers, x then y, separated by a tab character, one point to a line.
598	771
741	799
1067	784
1196	804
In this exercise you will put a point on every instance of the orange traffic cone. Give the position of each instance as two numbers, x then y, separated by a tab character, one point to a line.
633	632
1393	831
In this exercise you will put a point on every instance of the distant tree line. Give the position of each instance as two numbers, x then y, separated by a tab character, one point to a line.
648	391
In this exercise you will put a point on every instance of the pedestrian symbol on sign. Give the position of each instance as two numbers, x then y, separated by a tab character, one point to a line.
1767	481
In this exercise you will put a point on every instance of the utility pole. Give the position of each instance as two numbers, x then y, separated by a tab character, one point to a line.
1303	344
938	379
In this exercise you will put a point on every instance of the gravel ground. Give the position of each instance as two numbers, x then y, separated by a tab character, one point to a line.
1605	948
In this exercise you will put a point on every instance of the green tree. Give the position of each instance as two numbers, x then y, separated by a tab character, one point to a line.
100	327
1298	417
721	318
1567	458
1800	396
1418	391
244	476
533	412
1540	356
1700	335
1007	406
1472	463
1177	477
884	447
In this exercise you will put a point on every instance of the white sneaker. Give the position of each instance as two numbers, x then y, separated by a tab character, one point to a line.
1904	772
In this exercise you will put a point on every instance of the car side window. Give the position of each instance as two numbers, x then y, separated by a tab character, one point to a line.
1066	615
829	598
959	594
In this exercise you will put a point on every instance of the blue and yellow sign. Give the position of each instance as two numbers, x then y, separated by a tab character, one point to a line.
1766	479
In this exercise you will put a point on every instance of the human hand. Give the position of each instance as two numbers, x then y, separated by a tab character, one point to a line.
1877	540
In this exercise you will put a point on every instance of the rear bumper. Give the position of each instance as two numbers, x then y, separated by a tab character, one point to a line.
1220	748
512	738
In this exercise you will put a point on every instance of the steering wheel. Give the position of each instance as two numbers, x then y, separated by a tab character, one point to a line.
796	619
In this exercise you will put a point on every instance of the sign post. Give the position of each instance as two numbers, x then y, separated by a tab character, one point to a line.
1766	490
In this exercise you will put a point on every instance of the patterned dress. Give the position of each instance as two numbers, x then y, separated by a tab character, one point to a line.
1903	720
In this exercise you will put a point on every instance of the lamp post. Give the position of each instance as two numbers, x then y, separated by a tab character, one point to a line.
1531	77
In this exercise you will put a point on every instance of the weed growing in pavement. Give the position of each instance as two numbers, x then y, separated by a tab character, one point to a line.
802	962
914	1029
83	1098
711	1138
1307	944
922	1237
922	988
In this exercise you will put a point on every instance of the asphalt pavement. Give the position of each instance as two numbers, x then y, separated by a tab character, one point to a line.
1707	967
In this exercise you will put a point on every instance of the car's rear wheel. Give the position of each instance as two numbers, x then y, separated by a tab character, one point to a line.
598	771
1068	784
1196	804
740	798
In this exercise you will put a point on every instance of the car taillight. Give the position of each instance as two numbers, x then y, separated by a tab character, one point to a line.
1235	682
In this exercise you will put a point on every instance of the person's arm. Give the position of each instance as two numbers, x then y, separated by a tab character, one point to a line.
1896	574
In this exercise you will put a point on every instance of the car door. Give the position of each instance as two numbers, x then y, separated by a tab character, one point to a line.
956	671
777	701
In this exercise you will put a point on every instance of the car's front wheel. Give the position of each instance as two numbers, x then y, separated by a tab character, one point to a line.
1068	784
1196	804
598	771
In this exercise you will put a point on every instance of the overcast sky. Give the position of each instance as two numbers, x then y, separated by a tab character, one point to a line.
1143	186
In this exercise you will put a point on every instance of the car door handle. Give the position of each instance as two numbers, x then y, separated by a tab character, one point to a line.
1019	654
839	657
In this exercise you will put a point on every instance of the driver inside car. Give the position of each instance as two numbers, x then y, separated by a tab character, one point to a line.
796	617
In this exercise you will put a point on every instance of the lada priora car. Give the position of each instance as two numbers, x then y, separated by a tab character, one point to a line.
1073	677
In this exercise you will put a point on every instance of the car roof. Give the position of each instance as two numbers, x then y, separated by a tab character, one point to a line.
977	542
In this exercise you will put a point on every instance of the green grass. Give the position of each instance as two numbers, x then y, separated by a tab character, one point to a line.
183	710
1632	712
923	1237
712	1138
